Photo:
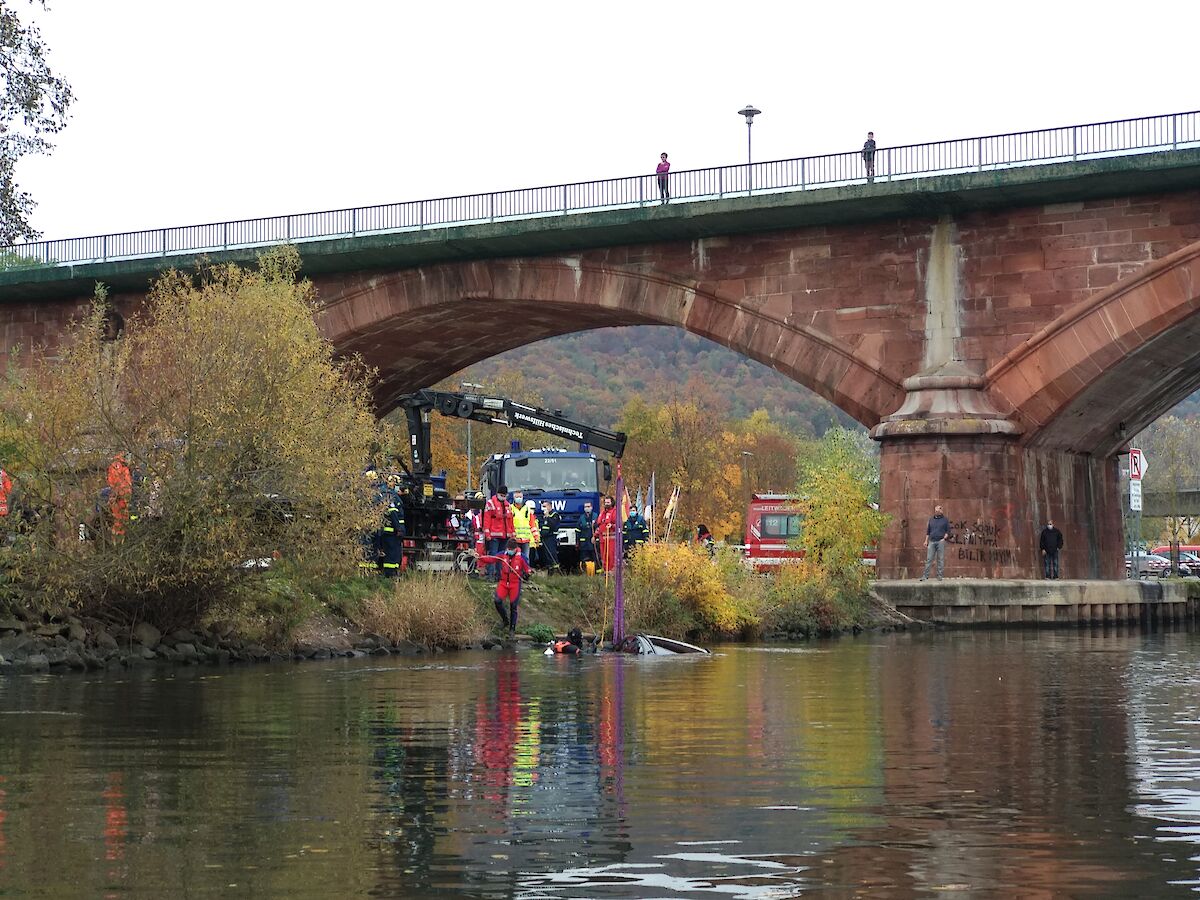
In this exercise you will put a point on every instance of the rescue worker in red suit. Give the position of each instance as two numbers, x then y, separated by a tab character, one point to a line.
120	484
606	533
497	527
513	571
5	492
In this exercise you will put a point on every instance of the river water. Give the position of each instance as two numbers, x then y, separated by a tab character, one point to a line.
975	764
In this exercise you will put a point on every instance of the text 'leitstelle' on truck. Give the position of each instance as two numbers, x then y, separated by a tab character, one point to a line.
567	479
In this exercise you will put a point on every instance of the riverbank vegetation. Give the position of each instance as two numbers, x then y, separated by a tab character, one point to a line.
197	461
157	476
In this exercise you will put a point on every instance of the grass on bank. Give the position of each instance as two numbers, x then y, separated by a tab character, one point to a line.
676	590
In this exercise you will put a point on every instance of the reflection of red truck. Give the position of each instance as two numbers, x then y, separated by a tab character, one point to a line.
772	522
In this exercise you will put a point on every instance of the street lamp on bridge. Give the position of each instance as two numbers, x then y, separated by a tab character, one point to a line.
749	112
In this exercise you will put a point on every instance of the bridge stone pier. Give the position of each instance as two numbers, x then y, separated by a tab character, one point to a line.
1003	334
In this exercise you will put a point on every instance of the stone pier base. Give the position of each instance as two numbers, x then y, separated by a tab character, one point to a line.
976	601
998	494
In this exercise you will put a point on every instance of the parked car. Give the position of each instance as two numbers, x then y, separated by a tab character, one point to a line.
1150	565
1189	557
1184	549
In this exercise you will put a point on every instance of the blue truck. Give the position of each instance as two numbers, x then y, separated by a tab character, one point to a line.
567	478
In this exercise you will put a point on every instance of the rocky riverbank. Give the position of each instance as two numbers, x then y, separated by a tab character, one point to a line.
39	645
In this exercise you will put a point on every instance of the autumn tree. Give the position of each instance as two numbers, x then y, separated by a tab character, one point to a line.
241	436
716	461
33	106
837	487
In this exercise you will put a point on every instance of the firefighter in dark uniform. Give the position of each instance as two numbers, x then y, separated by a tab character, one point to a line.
393	535
371	542
548	526
587	531
637	532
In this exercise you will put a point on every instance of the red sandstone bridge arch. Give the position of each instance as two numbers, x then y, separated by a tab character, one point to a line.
1108	367
421	325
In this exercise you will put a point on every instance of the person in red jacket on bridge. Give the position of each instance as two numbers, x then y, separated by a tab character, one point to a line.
513	572
497	527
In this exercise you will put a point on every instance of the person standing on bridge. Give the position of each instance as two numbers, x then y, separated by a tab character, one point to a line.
1051	543
937	532
664	187
868	155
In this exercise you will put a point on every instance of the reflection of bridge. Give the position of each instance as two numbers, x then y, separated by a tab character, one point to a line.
1001	331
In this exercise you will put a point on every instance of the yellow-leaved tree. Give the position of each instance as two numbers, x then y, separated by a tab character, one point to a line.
157	471
838	488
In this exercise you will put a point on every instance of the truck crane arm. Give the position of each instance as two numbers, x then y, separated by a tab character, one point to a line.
495	411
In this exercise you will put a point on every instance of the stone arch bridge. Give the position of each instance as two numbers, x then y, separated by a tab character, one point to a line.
1003	334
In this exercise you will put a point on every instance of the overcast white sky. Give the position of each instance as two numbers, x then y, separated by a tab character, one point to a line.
215	110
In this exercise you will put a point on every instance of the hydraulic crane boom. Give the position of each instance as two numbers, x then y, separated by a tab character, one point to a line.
494	411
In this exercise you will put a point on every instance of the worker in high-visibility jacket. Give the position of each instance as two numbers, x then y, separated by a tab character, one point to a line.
522	524
393	537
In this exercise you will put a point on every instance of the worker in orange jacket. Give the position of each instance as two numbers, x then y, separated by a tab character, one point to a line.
120	489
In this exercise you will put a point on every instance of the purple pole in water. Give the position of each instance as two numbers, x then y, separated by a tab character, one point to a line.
619	590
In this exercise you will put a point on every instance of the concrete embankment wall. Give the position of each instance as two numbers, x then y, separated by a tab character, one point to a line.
973	601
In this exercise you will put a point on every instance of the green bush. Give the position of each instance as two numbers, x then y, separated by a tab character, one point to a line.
802	600
678	590
539	633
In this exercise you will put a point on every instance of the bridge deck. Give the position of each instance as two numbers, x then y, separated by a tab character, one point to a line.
926	197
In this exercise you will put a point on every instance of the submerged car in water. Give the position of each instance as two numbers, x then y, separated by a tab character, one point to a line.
654	645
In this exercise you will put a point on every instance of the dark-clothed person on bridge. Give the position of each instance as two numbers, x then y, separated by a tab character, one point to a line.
1051	542
937	532
868	155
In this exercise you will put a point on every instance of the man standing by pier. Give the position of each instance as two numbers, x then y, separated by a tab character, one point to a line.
936	534
1050	543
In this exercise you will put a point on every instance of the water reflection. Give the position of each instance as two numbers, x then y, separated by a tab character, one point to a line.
1165	737
987	764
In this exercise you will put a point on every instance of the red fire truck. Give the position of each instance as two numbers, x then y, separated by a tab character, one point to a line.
772	523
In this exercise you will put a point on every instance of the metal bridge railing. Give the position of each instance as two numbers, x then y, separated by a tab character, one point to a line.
997	151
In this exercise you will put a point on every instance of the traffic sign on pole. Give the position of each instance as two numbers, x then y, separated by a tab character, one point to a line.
1137	464
1135	496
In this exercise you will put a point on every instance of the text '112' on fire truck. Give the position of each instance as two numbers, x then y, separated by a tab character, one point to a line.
773	526
566	478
